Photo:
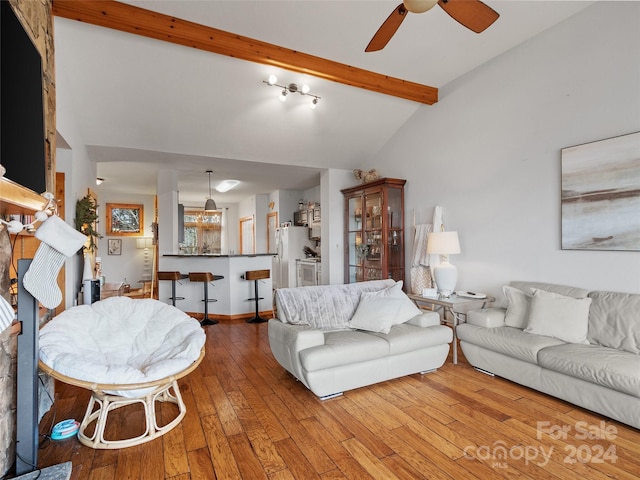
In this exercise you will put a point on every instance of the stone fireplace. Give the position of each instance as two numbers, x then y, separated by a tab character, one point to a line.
36	18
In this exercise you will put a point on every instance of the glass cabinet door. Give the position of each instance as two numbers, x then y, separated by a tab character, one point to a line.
355	241
395	234
374	259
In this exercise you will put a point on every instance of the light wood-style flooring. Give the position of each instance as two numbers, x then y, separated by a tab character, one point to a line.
247	418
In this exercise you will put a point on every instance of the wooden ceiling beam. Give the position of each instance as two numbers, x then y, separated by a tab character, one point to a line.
139	21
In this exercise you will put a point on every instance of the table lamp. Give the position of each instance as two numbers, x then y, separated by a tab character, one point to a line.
446	275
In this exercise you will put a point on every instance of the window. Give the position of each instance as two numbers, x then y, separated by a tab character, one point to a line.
202	232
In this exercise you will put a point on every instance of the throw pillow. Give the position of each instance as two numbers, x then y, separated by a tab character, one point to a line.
375	313
407	309
518	303
557	316
396	312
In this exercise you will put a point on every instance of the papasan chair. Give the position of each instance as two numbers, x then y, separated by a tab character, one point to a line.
126	351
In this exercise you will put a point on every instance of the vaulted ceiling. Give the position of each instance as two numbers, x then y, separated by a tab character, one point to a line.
144	104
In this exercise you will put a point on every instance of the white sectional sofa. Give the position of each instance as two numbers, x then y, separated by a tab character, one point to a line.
335	338
579	346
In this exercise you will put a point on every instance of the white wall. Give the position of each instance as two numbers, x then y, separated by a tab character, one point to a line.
130	263
332	226
80	175
489	151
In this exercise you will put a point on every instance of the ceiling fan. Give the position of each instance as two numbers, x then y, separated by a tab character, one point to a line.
473	14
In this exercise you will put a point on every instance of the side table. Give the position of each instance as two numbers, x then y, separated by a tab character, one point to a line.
452	305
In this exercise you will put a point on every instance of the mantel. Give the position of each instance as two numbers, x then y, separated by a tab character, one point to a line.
16	199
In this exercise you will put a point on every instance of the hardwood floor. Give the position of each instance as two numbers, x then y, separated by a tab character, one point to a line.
247	418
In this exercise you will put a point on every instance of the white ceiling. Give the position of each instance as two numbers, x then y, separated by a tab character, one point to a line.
144	105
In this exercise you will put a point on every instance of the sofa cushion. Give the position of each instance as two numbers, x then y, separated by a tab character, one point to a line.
614	320
565	290
518	304
559	316
507	340
408	338
343	348
326	307
604	366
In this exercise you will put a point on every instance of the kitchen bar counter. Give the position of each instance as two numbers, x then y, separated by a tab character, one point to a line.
216	255
232	292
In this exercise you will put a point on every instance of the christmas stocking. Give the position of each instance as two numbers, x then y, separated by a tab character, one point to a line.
59	240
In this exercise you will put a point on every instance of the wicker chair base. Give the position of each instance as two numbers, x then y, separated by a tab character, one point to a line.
105	403
102	403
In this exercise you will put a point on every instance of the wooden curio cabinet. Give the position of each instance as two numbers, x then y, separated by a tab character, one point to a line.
374	230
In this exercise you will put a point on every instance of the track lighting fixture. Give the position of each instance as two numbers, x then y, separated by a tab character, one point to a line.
291	88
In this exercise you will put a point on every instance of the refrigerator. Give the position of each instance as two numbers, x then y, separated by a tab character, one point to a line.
290	242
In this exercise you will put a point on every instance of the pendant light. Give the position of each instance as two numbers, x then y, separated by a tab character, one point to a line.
210	204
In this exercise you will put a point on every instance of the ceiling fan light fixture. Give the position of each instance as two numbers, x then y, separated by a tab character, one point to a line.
419	6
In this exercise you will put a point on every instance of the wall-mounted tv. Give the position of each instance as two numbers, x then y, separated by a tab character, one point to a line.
22	135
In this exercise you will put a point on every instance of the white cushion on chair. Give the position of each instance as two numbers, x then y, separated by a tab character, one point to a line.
121	341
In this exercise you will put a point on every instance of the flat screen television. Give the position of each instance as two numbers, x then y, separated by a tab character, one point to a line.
22	135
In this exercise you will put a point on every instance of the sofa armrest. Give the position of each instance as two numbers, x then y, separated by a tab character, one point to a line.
487	317
427	319
287	341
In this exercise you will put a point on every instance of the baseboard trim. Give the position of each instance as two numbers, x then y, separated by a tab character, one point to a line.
486	372
229	318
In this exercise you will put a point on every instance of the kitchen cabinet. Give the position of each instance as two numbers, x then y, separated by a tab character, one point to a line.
374	230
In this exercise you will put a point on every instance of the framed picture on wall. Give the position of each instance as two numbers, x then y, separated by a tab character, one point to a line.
124	219
114	246
601	195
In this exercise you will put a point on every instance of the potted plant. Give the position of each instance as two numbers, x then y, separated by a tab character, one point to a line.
87	220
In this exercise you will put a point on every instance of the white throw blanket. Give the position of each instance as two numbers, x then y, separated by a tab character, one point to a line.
420	274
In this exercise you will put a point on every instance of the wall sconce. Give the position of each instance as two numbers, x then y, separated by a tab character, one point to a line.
292	88
99	181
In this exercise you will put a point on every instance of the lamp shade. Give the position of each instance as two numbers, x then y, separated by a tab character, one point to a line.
443	243
210	205
144	242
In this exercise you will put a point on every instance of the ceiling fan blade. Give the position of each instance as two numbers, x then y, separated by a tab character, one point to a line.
387	29
473	14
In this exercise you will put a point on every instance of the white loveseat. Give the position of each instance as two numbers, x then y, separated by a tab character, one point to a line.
579	346
335	338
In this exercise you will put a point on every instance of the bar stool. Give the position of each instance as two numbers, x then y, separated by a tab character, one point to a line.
174	277
205	278
256	275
